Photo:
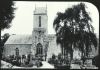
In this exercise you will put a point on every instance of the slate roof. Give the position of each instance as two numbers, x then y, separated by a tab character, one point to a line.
19	39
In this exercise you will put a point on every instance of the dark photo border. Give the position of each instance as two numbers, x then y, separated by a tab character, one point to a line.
94	2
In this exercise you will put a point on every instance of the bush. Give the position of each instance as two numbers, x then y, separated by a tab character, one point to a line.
96	61
16	63
39	64
77	62
62	67
30	65
53	56
49	60
26	62
59	56
53	61
7	59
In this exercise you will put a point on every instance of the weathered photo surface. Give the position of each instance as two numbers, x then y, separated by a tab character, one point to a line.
49	35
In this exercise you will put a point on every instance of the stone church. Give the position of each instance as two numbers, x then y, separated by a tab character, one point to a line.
40	43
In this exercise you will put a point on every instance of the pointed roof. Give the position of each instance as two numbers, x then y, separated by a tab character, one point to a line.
19	39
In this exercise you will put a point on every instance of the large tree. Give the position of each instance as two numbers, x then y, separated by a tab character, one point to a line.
74	30
6	15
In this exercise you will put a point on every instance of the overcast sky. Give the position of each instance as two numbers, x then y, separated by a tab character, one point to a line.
23	21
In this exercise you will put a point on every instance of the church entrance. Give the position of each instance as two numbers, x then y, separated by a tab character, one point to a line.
39	51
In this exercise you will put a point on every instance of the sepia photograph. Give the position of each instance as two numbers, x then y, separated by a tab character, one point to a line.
49	35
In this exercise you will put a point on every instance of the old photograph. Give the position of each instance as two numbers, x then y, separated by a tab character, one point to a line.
49	35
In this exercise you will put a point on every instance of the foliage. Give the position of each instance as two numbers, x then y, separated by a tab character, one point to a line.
11	59
58	60
5	37
30	65
52	60
39	64
74	29
53	56
6	13
6	16
3	40
59	56
96	61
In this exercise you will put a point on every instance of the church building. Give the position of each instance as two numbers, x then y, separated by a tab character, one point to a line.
40	43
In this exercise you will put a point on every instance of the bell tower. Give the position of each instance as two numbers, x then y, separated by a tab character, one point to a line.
40	26
40	19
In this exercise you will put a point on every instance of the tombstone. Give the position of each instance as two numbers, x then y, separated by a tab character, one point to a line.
30	58
88	63
23	59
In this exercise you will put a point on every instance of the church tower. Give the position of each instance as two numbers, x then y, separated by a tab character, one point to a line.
40	19
39	33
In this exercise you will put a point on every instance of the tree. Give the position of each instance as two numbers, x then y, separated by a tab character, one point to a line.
74	30
6	16
4	38
6	13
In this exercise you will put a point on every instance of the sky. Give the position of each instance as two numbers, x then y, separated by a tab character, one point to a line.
23	21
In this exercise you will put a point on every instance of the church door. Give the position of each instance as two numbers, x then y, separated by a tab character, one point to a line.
39	50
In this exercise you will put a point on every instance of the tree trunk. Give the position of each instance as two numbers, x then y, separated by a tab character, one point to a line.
83	57
71	55
62	50
71	52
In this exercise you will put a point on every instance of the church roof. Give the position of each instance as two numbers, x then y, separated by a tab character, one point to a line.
40	10
19	39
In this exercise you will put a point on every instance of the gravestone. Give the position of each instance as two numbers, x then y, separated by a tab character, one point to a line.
88	63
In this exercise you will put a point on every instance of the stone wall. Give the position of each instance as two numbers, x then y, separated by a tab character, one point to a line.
9	49
53	48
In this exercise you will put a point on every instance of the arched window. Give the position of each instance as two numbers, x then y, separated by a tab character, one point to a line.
39	21
39	49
